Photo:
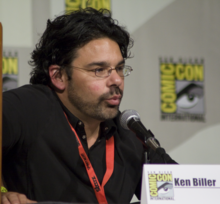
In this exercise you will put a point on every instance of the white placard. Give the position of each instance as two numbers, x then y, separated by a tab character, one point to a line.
180	184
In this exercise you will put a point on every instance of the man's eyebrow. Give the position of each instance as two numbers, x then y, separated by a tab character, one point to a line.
121	62
104	63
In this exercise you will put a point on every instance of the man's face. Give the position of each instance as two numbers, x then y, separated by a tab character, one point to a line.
92	97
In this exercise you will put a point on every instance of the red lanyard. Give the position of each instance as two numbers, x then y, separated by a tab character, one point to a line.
99	189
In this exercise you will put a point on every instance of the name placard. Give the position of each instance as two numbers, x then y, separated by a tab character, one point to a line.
180	184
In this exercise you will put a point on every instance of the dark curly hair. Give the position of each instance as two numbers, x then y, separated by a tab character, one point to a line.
67	33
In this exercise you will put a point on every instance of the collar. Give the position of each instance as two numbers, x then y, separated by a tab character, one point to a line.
107	128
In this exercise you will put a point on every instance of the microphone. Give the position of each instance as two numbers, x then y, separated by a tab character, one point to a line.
130	120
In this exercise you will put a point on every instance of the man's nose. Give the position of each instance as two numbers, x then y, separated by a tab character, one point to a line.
115	79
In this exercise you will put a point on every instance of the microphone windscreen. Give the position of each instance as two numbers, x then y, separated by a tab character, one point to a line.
126	116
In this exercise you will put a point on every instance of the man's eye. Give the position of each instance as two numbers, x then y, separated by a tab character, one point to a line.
120	69
99	70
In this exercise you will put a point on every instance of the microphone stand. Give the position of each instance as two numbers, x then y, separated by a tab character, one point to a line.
148	139
151	142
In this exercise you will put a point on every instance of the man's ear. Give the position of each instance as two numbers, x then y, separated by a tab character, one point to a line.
57	77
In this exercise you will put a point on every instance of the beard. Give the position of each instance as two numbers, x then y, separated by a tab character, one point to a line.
98	109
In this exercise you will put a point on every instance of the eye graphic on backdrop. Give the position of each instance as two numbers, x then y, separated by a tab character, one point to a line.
165	188
187	101
189	96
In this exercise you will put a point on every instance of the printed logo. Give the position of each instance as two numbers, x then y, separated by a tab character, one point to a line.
96	184
96	4
86	161
10	71
161	186
182	85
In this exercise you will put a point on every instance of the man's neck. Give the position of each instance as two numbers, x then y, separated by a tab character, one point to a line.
91	125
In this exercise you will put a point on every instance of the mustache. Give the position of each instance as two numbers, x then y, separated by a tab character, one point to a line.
113	91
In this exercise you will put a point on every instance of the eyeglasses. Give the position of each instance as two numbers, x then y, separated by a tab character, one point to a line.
104	72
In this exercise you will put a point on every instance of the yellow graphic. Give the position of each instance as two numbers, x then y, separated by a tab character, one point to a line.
164	177
72	5
168	91
189	72
154	178
172	72
153	184
10	65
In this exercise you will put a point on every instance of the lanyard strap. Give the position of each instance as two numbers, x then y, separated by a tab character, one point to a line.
98	189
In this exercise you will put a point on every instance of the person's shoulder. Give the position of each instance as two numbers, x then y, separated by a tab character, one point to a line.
28	89
32	97
29	92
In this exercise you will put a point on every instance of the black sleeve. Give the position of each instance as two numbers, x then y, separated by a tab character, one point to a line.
138	189
12	120
155	158
26	110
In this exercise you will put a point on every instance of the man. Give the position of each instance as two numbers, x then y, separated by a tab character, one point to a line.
62	140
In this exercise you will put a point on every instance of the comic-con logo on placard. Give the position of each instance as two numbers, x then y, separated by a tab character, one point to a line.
161	186
10	71
72	5
182	90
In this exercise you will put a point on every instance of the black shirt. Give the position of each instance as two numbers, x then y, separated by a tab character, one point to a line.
41	158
